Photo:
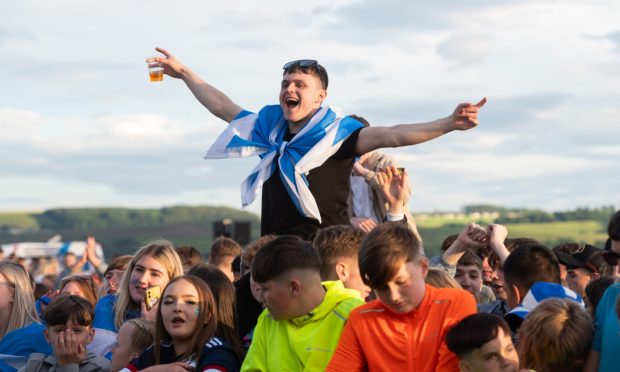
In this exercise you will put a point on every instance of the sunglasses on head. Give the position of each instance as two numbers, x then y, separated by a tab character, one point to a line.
302	63
307	63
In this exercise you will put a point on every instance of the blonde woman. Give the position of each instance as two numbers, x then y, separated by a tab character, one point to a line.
20	331
155	264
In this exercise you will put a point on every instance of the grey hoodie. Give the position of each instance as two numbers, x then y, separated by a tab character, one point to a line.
40	363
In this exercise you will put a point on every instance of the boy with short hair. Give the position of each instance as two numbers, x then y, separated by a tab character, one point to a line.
482	343
338	247
301	326
405	328
68	329
222	254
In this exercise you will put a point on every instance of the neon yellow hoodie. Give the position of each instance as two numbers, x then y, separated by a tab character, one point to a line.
306	343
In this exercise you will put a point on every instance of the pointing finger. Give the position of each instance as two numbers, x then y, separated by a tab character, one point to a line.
163	51
481	103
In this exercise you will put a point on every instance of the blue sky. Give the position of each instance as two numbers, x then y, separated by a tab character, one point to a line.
81	125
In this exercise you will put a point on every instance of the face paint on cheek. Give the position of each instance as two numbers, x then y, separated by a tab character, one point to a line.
196	311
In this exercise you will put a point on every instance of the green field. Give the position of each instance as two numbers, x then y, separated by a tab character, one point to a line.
435	230
23	220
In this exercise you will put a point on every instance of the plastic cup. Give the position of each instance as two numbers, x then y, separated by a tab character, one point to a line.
156	72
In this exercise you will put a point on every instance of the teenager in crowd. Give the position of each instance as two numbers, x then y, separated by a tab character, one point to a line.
406	326
482	343
301	326
555	336
155	264
185	332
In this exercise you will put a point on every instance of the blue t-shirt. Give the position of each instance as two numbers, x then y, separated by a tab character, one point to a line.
104	313
18	344
607	330
216	354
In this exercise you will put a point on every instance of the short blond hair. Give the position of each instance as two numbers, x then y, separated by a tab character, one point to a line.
555	336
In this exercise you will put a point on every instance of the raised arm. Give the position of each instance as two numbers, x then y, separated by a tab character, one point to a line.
215	101
464	117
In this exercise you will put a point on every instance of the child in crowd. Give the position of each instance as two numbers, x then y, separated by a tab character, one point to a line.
153	265
406	326
482	343
185	331
224	295
134	336
555	336
68	330
338	246
81	286
304	318
469	274
113	274
190	257
222	254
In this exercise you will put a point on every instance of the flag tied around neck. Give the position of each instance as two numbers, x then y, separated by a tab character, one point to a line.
263	133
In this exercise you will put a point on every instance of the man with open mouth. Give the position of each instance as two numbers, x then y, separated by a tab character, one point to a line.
307	151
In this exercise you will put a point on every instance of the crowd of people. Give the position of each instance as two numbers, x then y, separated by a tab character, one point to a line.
339	279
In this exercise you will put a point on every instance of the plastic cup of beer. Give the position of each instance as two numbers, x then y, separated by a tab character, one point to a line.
156	72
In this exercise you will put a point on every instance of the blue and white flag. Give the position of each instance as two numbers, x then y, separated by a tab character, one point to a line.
262	134
539	292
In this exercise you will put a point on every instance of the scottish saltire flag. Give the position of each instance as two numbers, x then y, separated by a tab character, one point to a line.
262	134
540	291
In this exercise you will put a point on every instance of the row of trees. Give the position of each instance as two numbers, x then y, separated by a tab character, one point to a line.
507	215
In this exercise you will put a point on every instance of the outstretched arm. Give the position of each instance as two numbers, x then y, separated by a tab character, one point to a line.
464	117
215	101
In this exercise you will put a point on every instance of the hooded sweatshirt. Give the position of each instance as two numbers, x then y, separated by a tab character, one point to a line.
41	363
305	343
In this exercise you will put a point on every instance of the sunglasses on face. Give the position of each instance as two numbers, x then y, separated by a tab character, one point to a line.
306	63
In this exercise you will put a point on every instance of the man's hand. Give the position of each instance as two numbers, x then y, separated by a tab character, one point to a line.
66	348
393	187
359	169
465	116
172	66
363	223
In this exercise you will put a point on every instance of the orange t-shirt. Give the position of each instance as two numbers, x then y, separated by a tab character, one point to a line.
377	339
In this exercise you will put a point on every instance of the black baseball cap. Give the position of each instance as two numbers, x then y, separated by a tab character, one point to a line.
578	259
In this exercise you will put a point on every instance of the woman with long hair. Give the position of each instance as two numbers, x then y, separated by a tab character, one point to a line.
153	265
185	331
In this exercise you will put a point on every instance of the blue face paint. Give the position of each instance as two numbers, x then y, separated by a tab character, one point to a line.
197	311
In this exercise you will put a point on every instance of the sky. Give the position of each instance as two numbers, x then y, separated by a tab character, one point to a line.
81	125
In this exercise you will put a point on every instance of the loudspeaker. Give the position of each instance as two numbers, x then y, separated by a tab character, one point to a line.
221	229
242	232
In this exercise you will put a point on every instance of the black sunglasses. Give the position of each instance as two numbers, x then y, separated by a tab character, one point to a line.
302	63
308	63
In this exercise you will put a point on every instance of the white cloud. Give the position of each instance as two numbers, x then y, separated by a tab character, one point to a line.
77	106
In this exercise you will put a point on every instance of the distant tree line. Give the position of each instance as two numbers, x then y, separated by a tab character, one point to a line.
520	215
107	218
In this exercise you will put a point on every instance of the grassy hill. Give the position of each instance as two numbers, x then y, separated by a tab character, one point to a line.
122	230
